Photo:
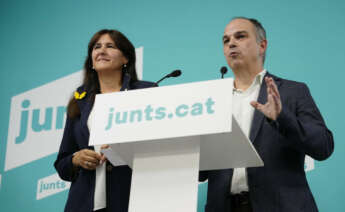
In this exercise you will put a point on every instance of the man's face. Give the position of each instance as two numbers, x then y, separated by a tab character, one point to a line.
240	46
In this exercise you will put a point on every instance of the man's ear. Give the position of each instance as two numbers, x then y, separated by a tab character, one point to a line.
263	47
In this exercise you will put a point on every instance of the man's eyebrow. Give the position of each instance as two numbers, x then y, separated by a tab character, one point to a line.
241	32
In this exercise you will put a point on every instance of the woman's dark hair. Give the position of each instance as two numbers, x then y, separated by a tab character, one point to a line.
91	83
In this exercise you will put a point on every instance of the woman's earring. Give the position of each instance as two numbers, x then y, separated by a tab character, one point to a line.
124	69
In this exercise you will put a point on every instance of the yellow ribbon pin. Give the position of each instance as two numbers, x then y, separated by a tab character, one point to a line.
78	95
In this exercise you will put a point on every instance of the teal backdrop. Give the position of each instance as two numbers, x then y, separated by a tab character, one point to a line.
43	40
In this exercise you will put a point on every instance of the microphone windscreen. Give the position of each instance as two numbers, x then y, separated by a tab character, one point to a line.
223	70
176	73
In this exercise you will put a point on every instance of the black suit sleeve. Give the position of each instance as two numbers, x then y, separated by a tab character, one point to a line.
63	163
305	127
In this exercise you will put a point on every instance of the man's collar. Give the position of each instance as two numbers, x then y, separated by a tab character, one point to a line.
257	80
261	76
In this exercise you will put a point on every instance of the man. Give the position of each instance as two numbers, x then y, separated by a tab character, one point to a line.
283	123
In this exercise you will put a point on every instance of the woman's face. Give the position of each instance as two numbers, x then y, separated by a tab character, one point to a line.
106	56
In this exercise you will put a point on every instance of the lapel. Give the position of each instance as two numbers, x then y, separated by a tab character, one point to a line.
262	98
85	107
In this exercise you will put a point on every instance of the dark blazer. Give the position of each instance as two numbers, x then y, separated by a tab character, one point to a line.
75	138
281	184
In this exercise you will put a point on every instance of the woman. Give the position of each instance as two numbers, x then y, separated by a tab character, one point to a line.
96	184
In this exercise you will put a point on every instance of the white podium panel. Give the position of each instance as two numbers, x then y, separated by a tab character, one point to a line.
166	135
166	179
228	150
217	151
162	112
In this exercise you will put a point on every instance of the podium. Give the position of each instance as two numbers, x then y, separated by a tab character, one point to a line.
167	135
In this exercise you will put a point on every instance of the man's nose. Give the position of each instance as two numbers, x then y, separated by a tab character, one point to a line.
232	43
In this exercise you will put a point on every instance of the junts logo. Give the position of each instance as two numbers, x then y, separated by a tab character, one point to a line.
51	185
37	115
150	113
37	120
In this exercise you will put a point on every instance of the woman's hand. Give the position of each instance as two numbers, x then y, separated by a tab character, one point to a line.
103	159
87	159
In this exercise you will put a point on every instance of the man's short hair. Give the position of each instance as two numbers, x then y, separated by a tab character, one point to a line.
259	31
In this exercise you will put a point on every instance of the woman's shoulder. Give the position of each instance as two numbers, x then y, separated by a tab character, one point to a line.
143	84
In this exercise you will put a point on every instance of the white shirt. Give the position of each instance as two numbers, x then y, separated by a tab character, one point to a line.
100	195
100	198
244	113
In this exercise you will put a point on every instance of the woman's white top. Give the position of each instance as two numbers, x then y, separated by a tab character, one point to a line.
100	198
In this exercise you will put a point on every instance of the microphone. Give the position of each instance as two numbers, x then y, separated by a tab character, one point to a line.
175	73
223	71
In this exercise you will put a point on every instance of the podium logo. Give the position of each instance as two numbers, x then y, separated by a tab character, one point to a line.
37	118
158	113
50	185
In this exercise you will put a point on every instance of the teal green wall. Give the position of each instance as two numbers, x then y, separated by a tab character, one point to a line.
42	40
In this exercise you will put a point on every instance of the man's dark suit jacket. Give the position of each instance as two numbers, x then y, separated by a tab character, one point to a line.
75	138
281	185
